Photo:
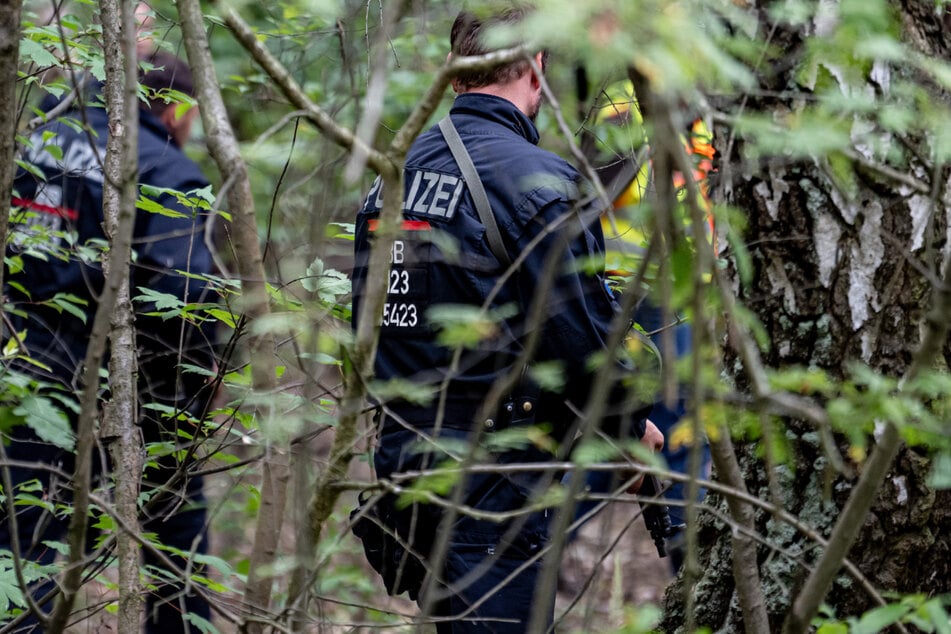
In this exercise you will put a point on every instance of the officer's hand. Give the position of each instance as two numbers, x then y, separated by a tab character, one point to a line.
653	439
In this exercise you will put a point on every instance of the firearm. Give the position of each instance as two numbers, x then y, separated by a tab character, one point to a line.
656	514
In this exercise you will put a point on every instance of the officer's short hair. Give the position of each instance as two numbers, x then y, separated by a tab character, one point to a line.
467	38
162	71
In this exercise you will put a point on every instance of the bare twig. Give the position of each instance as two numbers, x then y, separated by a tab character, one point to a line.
665	140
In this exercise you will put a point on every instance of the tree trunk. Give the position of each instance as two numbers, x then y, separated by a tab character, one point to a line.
120	430
223	146
9	57
836	279
120	189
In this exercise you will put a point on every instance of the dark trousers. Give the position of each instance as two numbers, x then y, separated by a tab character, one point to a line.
490	570
177	518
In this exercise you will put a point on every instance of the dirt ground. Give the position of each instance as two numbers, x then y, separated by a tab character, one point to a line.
614	565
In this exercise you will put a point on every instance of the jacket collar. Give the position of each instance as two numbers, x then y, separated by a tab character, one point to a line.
151	122
497	110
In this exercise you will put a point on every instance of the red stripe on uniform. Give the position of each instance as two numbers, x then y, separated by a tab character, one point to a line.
408	225
65	212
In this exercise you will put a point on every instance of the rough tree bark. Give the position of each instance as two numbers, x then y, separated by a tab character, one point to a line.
837	280
9	59
116	268
119	429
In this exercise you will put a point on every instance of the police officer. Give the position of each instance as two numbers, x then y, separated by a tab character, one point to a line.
57	230
448	254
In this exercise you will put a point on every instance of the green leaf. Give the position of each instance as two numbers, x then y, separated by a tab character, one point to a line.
18	266
149	205
224	316
937	615
940	477
55	151
35	53
549	375
71	304
594	451
60	547
47	420
467	326
219	564
328	284
879	619
197	199
439	483
343	230
162	301
10	593
413	391
32	169
12	346
26	499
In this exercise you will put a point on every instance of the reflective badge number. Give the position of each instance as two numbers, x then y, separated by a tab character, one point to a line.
399	283
407	289
400	315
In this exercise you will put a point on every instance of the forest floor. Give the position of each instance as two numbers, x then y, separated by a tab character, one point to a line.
612	581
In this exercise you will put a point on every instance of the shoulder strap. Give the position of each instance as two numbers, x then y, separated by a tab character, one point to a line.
469	174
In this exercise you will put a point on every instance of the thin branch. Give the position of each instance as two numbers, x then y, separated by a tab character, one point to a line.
294	93
745	563
429	102
740	495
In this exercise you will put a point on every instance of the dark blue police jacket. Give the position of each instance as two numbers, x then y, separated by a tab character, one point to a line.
442	257
57	230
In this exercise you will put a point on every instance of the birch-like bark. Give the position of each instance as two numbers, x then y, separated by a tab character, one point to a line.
863	496
120	189
224	149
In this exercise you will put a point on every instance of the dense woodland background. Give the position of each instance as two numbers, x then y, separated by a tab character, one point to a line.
821	311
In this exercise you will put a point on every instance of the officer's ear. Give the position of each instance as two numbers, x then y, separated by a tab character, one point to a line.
179	126
540	64
456	86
